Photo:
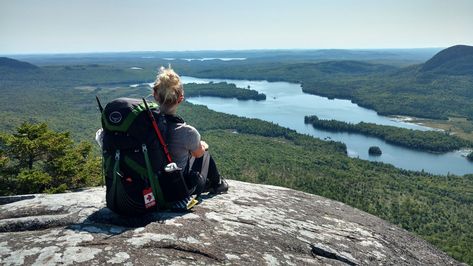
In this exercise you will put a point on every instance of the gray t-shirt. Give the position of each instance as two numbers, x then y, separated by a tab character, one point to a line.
182	140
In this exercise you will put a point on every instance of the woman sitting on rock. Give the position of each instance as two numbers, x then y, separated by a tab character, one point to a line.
187	150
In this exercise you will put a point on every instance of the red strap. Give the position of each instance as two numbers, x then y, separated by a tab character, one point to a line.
161	139
158	132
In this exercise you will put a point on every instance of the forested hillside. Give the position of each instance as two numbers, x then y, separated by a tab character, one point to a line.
12	65
456	60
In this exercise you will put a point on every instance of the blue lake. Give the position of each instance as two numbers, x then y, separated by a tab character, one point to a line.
286	105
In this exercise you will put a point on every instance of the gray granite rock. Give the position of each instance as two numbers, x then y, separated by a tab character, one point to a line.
251	225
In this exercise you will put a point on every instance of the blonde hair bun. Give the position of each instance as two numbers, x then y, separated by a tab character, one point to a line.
168	78
167	87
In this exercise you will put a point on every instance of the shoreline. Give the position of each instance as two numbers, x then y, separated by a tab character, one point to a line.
454	125
414	120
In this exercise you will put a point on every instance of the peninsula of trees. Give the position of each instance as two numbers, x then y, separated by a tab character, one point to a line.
432	141
223	90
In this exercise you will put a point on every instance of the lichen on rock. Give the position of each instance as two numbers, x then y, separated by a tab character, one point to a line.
251	225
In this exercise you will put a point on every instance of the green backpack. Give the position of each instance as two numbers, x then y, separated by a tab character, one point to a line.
135	158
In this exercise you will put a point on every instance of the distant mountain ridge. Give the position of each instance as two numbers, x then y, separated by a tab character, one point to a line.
12	64
455	60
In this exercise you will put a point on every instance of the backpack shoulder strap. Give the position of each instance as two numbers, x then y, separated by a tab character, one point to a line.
173	119
170	121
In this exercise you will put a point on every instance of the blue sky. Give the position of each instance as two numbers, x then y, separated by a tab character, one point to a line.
59	26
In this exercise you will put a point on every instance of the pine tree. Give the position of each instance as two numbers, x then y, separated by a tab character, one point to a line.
36	159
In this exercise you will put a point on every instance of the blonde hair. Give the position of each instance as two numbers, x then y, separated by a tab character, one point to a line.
168	87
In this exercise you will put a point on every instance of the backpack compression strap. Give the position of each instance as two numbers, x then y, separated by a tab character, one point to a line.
153	180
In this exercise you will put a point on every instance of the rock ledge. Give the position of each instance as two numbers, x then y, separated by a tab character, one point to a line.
251	225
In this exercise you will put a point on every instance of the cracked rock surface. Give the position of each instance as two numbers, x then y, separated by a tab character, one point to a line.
251	225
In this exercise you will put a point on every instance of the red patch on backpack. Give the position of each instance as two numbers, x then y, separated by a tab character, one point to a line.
148	196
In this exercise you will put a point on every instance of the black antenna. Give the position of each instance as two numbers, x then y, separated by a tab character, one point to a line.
99	104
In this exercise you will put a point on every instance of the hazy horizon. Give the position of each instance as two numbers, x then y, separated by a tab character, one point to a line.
88	26
229	51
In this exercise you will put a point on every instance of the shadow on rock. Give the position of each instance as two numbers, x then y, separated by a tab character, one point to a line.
10	199
108	222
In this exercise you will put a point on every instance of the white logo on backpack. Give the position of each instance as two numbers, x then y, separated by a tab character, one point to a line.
115	117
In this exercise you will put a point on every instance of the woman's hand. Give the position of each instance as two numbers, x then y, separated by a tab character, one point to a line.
199	152
204	145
